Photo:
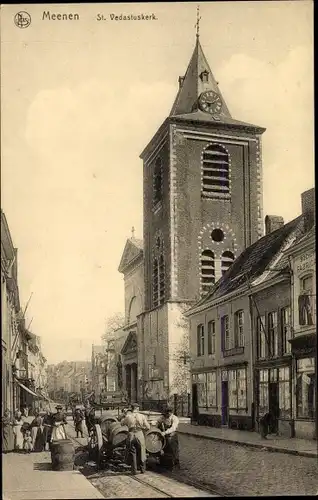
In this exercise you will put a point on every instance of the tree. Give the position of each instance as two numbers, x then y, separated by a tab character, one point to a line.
113	323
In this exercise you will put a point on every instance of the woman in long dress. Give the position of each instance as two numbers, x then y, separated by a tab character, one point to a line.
7	433
17	429
59	421
37	433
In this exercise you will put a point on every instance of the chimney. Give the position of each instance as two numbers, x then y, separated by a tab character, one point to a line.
181	80
273	222
308	207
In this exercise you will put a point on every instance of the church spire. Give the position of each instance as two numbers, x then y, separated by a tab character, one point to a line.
199	80
197	24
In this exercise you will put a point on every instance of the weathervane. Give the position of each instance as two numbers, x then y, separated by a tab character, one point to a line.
197	24
133	232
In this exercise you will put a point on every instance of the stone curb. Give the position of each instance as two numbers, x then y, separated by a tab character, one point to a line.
267	447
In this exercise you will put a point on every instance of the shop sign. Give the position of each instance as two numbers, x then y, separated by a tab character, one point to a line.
305	262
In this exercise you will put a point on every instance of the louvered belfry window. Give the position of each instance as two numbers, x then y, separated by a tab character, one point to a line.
207	270
226	260
215	171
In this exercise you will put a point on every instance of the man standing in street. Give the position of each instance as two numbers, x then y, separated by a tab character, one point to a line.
137	423
168	424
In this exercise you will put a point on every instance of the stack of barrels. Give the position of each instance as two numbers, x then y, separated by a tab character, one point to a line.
62	455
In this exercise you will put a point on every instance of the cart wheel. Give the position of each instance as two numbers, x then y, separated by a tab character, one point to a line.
99	444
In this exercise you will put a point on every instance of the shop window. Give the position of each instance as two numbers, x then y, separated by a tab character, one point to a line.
305	388
239	329
263	392
261	338
272	334
200	340
306	302
211	337
225	333
211	390
202	399
286	330
237	389
284	393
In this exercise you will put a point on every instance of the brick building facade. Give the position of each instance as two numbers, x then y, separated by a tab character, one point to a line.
202	207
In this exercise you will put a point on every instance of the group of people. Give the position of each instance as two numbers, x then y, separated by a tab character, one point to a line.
138	424
20	435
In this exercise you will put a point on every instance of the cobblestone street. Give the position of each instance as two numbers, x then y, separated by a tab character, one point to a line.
237	470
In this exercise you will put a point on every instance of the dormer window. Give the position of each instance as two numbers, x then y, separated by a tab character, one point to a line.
181	80
204	76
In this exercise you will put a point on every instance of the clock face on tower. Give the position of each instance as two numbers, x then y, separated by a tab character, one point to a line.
210	102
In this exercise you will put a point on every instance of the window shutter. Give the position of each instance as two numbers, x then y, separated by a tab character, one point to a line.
198	342
210	338
222	334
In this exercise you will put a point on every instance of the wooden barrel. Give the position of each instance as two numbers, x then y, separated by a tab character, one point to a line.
62	455
117	434
155	441
111	426
105	424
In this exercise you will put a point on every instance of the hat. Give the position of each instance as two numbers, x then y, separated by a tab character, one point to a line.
135	405
59	407
168	409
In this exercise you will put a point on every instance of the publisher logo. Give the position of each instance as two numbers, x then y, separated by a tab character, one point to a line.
22	19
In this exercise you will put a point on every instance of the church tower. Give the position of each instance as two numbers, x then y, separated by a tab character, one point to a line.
202	207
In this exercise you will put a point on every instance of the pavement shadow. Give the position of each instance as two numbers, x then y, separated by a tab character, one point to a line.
42	466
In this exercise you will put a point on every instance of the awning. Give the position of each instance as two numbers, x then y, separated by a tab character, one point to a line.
26	388
44	397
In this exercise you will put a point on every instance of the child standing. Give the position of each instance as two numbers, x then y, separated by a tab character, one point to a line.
27	442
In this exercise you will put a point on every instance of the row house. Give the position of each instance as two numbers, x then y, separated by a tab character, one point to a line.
15	336
302	258
37	370
240	352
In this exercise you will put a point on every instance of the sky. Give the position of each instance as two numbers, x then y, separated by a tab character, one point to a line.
79	102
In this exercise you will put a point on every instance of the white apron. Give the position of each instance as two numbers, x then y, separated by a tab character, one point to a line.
58	432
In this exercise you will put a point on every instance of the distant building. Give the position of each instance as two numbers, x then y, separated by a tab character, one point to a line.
252	348
128	343
16	382
70	379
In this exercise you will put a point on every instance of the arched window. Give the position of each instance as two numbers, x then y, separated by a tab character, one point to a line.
161	280
215	167
157	182
207	270
226	260
155	283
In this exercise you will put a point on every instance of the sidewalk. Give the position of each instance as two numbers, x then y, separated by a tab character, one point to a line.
293	446
27	477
